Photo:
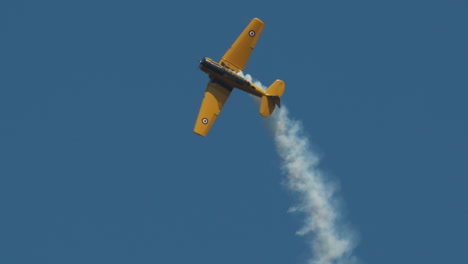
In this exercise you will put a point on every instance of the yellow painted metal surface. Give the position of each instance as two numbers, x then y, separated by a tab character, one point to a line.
213	102
237	56
266	106
276	89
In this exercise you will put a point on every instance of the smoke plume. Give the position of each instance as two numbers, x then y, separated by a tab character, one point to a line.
330	240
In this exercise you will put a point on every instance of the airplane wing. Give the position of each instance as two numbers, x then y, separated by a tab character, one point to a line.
216	95
237	56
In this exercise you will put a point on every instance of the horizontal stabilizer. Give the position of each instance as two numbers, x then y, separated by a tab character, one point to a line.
276	88
272	98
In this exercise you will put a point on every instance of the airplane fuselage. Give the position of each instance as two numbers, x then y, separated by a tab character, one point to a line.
228	78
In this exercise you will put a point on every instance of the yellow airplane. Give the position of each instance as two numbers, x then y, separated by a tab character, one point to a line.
224	76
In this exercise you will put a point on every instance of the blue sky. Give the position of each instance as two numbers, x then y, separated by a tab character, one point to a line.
98	161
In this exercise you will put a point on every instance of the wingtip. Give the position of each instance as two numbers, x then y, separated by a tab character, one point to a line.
258	19
199	133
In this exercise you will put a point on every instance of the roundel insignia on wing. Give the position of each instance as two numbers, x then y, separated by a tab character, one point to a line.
251	33
204	121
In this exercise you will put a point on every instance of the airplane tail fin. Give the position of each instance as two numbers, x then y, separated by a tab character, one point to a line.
272	98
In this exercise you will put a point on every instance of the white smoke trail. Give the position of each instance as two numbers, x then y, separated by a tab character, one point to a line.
331	241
